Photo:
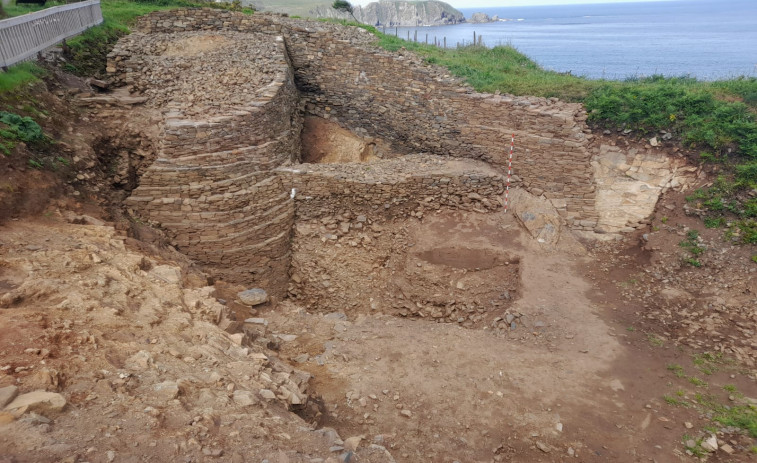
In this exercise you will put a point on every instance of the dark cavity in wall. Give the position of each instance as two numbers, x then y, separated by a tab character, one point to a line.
122	160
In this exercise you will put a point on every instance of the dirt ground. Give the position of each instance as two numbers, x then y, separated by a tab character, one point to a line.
451	337
567	378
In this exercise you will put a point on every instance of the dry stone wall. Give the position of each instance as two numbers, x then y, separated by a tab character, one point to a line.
419	108
213	187
416	108
394	188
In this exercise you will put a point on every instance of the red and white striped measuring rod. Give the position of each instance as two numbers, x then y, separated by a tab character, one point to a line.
509	171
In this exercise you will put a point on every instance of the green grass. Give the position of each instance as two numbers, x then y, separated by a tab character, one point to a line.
692	245
674	401
15	128
25	8
738	415
729	197
18	75
709	363
693	262
696	449
677	370
697	382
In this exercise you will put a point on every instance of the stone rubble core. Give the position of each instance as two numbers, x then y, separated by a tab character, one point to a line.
172	69
222	184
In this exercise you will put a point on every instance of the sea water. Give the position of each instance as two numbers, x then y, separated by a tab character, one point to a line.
706	39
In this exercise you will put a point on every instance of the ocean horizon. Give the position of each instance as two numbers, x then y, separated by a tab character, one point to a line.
706	39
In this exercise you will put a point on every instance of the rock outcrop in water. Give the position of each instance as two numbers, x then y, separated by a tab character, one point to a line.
398	13
479	18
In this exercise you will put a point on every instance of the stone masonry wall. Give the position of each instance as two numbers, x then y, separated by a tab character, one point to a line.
394	188
213	187
412	106
419	108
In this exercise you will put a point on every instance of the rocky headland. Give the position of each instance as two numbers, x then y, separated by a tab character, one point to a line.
398	13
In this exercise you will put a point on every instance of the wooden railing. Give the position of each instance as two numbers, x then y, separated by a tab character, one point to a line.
22	37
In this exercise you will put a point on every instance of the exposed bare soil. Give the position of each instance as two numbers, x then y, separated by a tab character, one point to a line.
450	337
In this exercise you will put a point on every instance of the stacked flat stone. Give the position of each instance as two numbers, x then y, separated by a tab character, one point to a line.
416	107
395	187
212	186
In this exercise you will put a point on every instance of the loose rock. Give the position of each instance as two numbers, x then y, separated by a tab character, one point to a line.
39	401
255	296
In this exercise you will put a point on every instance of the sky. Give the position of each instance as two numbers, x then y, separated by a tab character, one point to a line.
495	3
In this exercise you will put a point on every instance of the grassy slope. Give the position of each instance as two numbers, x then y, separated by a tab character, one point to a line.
18	10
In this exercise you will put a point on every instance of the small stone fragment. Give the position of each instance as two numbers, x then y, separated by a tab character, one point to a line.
167	390
38	401
353	442
710	444
139	361
267	394
616	385
167	273
244	398
253	296
543	447
7	394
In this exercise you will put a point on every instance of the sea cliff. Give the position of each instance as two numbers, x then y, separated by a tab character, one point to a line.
398	13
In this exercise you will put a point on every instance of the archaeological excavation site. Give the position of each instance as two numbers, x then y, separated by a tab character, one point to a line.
282	243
